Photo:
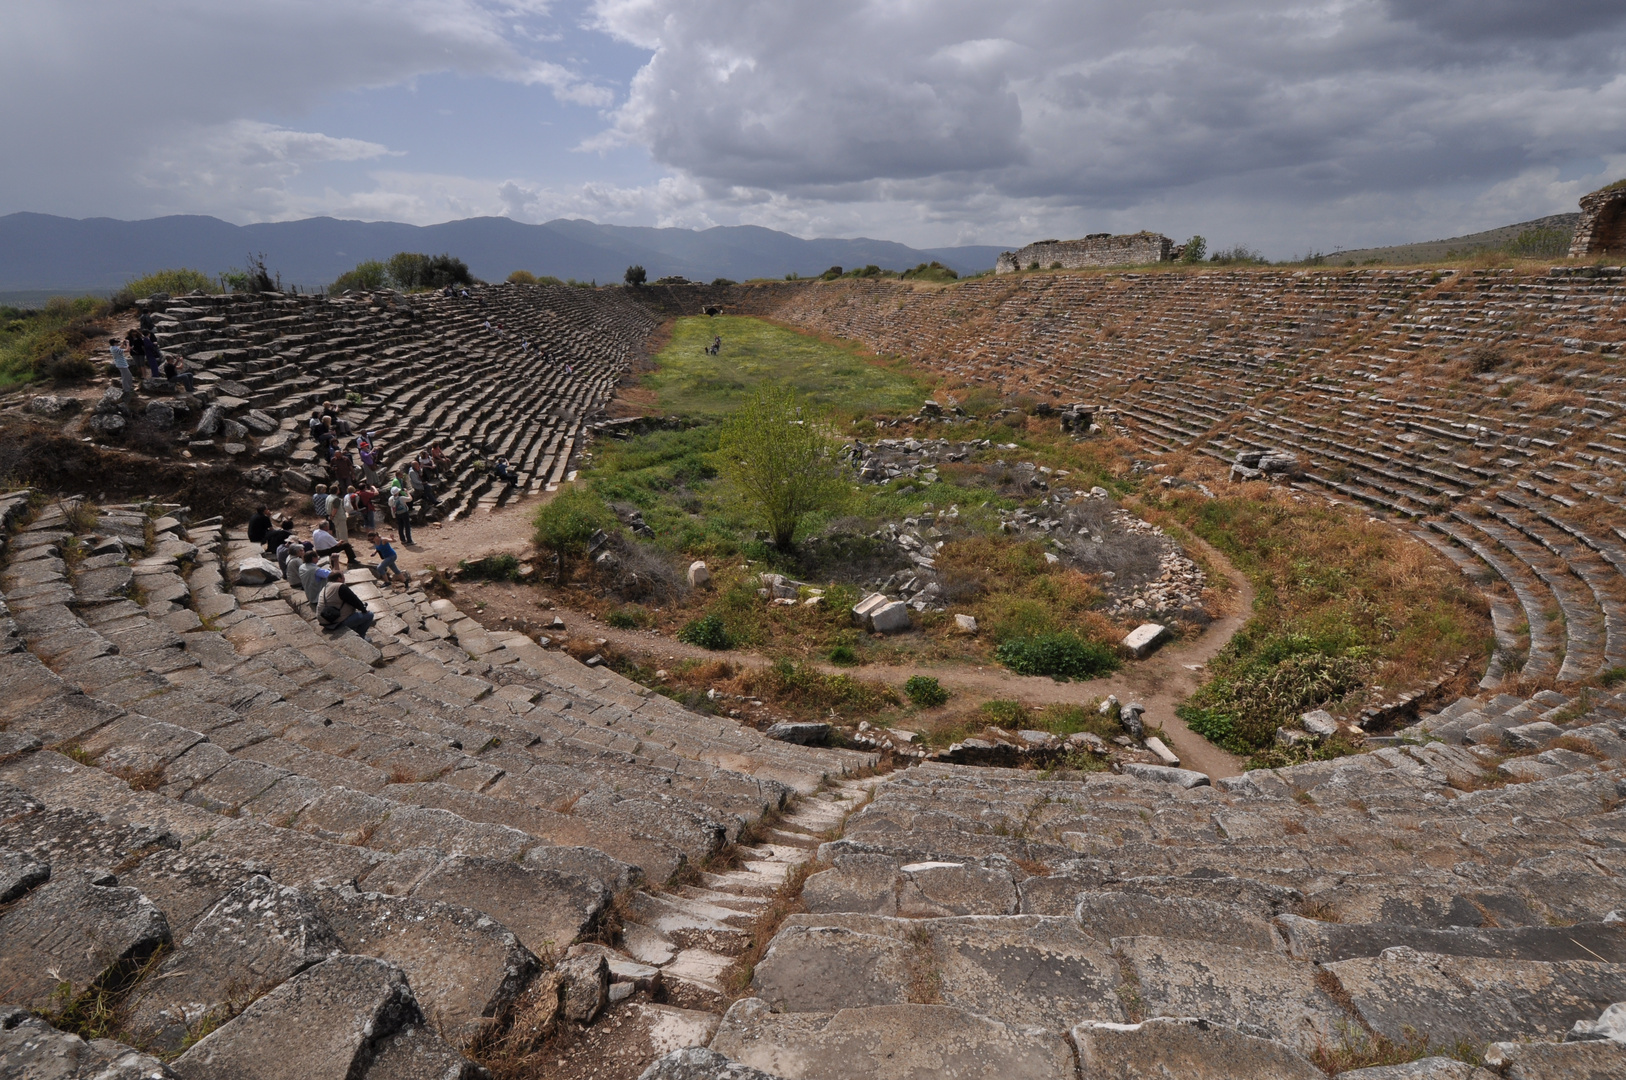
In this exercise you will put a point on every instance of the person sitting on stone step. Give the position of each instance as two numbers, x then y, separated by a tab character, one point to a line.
259	523
312	575
339	607
502	470
175	370
324	540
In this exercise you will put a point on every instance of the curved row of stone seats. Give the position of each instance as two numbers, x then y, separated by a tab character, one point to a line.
987	922
414	374
193	739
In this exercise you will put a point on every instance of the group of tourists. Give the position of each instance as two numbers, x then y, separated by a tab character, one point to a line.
140	344
314	565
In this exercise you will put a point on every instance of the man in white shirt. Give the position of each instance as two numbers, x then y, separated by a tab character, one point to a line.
325	543
121	362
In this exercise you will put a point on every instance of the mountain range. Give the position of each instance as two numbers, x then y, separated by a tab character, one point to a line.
43	254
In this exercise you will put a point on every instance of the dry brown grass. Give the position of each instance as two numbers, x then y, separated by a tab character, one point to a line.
786	901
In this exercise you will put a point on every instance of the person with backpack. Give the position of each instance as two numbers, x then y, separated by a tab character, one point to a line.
400	504
339	607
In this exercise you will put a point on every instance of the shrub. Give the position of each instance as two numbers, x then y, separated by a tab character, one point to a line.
781	461
843	656
1061	656
174	282
832	273
925	691
566	525
522	277
1242	710
719	282
1005	713
811	688
252	278
1196	250
628	618
410	270
635	275
706	632
491	568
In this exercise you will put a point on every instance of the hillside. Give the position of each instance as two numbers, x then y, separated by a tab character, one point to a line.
41	254
1498	239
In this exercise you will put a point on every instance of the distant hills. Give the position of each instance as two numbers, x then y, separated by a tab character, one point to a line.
1545	237
41	254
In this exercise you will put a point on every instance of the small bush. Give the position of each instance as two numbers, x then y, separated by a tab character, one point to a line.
706	632
628	618
368	276
566	525
843	656
925	691
174	282
1060	656
1005	714
522	277
490	568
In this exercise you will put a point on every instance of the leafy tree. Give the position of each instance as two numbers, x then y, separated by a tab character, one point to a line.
780	461
832	273
252	278
522	277
1196	250
635	276
412	270
368	276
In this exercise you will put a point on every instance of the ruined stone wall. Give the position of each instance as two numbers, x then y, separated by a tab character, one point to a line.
1603	214
1133	249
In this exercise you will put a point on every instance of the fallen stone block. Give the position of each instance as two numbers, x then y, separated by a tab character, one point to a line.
966	624
1164	774
1319	722
255	572
1144	638
1184	1047
803	733
1610	1025
699	575
586	986
1164	754
890	618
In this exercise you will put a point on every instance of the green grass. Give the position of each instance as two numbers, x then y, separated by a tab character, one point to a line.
837	376
54	341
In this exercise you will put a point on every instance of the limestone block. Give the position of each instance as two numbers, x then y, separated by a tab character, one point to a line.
801	733
928	889
32	1049
53	406
258	936
699	576
698	1063
257	572
21	873
1144	638
866	607
463	967
323	1024
587	986
890	618
1530	736
1164	754
966	624
1163	774
858	882
1429	1068
1610	1025
418	1053
1319	722
1186	1047
1561	1061
75	929
548	910
1261	991
888	1042
1108	915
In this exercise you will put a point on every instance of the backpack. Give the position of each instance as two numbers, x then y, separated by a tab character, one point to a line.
329	612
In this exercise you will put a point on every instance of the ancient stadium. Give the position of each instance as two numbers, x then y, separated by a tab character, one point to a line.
1192	670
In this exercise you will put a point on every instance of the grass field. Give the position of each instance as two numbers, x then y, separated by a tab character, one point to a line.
839	376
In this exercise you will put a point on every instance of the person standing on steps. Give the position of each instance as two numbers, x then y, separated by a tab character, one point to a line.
401	510
259	524
122	362
149	349
340	607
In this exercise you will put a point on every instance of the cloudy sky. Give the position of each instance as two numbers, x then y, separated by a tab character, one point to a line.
1286	125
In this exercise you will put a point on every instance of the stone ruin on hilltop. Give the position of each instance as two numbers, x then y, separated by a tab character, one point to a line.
1097	249
1603	215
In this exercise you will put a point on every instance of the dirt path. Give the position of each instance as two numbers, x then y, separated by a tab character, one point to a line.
1159	683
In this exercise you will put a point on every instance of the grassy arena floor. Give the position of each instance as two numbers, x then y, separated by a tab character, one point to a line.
839	376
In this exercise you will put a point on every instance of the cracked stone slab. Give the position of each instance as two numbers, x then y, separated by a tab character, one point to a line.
464	966
326	1023
888	1042
1184	1047
256	937
77	929
546	909
31	1049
